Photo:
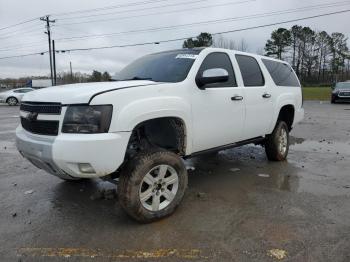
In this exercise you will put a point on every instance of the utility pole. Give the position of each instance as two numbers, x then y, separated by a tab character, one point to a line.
48	21
71	71
54	62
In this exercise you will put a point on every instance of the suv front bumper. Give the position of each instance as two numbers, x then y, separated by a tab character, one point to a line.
62	155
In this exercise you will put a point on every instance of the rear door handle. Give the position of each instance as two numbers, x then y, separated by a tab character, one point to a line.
237	98
266	95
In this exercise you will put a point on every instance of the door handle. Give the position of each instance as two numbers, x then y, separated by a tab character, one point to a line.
237	98
266	95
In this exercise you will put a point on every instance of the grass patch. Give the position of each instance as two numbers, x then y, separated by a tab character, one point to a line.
317	93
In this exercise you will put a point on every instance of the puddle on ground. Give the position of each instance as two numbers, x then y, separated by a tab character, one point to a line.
316	167
295	140
244	168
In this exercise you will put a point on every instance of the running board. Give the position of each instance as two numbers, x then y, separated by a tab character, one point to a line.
255	140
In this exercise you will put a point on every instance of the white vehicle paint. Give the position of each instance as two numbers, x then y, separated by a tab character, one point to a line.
14	96
212	117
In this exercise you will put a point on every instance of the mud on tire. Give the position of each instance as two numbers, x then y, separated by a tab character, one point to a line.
277	143
140	177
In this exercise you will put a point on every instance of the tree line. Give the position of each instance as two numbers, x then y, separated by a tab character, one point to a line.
317	57
62	79
78	77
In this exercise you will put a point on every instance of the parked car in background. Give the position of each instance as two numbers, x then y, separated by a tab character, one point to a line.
341	92
165	106
14	96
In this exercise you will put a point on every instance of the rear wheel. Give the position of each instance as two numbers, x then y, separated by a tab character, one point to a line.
277	143
152	185
12	101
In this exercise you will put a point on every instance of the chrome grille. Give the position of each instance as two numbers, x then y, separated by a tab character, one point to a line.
344	93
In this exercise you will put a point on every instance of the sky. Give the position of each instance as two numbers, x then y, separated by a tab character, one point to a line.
76	19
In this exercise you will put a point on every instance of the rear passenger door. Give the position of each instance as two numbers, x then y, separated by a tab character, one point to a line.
258	97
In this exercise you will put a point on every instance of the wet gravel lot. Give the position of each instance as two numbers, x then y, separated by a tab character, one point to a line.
239	206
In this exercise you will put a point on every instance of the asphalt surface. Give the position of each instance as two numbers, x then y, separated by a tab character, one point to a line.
239	206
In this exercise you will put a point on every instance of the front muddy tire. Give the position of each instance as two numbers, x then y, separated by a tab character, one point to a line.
152	185
277	143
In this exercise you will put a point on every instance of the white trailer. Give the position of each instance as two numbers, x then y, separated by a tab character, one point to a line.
41	83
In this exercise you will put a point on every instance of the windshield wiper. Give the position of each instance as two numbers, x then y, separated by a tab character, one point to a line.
136	78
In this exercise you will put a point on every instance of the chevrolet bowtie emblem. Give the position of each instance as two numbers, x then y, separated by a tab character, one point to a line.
32	116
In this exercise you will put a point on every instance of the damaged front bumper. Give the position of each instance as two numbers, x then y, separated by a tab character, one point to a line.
69	155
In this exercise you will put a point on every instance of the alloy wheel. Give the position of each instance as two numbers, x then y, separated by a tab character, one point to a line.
159	187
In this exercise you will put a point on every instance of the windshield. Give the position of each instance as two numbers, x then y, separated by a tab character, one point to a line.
343	85
172	66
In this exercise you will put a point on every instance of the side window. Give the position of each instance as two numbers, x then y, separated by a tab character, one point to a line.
250	69
282	74
219	60
17	91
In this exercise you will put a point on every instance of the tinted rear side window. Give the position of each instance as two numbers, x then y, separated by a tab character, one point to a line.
219	60
250	69
282	74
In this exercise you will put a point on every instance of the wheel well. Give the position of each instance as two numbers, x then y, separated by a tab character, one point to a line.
287	115
11	97
167	132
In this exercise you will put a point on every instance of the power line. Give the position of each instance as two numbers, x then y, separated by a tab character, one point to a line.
216	33
110	7
225	20
191	24
24	55
185	38
27	33
20	23
157	13
142	9
23	28
20	46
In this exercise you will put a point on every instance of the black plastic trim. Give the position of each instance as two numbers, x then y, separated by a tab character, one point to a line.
219	148
47	108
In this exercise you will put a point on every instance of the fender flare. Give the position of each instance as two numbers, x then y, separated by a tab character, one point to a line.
134	114
283	101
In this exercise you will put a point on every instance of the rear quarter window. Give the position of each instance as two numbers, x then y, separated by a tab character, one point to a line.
282	74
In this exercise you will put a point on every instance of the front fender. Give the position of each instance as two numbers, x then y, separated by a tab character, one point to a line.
142	110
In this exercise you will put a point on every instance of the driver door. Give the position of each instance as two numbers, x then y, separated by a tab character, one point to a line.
218	109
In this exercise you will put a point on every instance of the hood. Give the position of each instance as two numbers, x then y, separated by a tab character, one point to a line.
79	93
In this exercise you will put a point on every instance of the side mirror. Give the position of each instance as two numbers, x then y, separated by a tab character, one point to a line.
211	76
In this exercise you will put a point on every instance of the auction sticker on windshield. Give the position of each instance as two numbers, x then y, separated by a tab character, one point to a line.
186	56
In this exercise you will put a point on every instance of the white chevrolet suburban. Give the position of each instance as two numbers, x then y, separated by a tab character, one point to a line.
163	108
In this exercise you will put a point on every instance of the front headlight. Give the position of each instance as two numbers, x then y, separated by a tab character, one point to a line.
87	119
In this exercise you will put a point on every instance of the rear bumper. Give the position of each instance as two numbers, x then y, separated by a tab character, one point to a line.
63	154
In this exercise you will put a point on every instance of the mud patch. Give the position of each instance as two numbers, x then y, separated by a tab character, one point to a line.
296	140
